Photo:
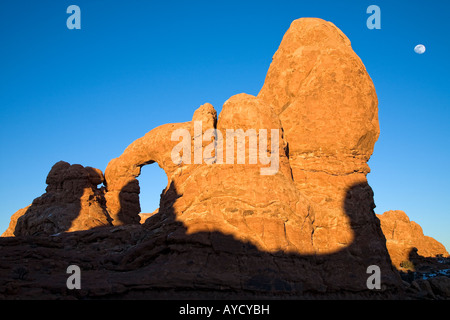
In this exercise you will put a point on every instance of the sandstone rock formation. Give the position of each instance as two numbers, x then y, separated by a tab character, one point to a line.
72	202
319	96
403	235
328	108
226	228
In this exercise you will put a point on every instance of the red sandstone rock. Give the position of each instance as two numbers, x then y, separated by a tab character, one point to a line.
403	235
72	202
328	108
226	228
319	96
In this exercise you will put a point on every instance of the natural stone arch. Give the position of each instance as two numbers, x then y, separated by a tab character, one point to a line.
122	196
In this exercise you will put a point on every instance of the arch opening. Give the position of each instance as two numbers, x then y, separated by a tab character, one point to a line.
152	181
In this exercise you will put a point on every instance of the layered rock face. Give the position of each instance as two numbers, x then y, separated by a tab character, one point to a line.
295	217
404	236
72	202
234	199
328	108
318	93
318	204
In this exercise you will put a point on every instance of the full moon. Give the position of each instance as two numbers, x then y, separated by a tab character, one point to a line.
420	49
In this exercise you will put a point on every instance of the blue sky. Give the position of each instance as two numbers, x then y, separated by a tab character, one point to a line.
83	96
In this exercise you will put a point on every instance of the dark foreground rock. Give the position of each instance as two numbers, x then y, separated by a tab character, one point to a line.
160	262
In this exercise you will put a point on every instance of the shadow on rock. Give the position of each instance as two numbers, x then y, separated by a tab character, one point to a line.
72	202
160	260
